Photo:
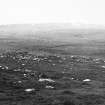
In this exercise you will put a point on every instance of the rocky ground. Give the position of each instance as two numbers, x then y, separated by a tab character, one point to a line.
29	79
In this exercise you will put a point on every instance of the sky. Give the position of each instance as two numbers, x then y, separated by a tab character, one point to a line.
52	11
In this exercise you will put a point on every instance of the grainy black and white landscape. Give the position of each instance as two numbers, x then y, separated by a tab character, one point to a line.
52	64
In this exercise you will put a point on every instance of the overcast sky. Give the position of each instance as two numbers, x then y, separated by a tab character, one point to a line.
52	11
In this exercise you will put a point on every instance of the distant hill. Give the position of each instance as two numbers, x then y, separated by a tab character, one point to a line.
55	32
59	38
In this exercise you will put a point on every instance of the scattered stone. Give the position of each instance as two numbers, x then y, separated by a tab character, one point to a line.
53	64
19	81
25	75
49	80
103	66
86	80
49	87
29	90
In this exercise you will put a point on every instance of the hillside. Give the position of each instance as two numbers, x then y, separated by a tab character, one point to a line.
52	64
64	38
